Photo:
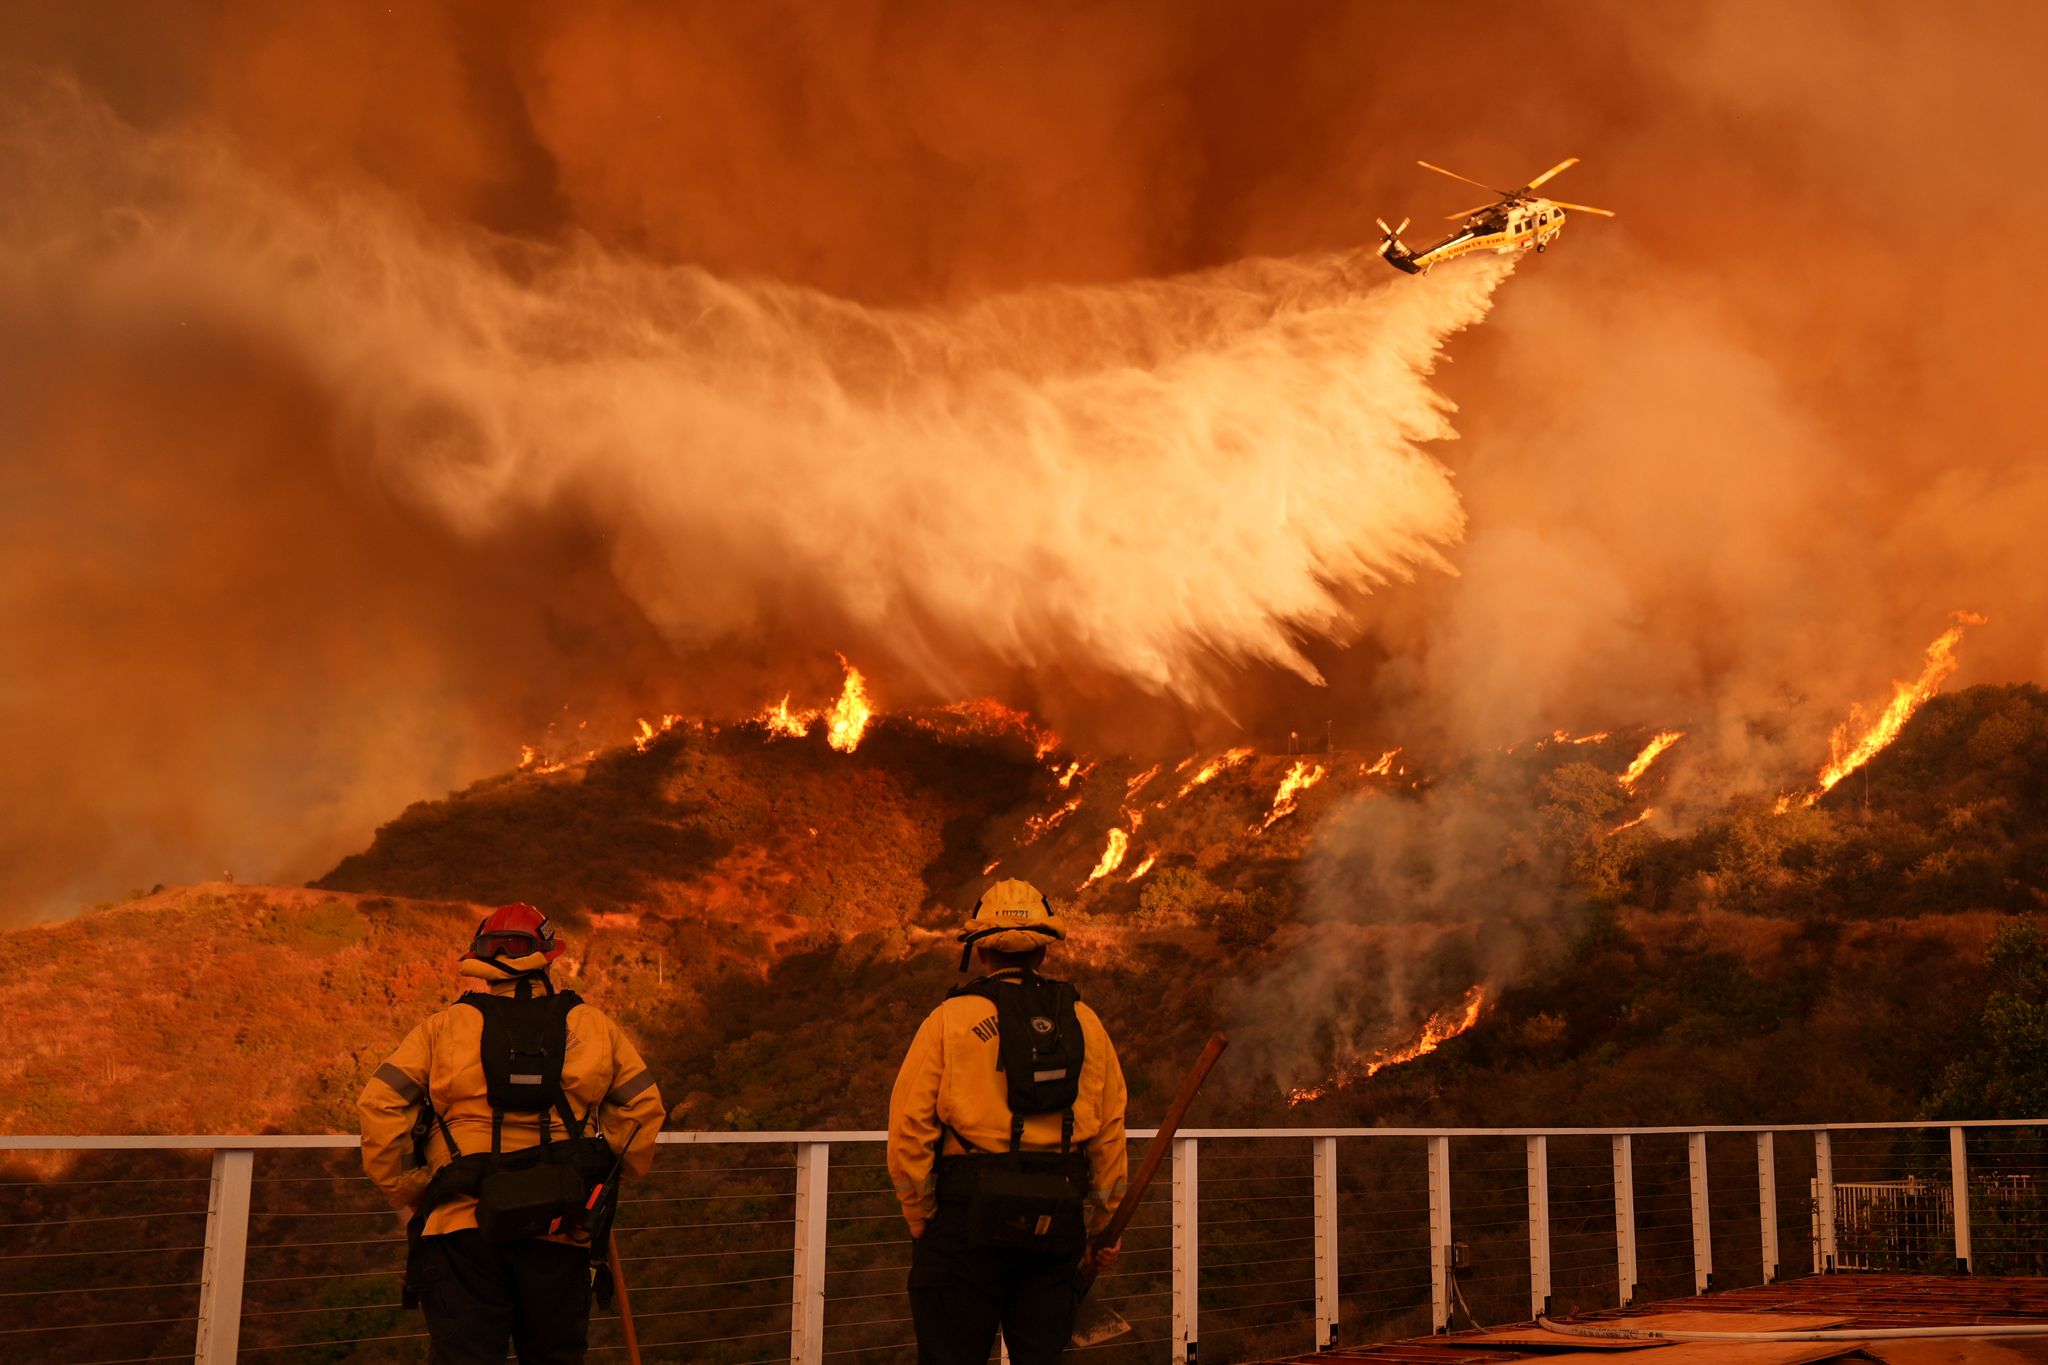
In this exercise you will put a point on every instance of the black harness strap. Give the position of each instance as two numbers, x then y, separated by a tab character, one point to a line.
1040	1048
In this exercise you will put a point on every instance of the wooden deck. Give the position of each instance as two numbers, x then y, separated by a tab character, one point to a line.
1850	1301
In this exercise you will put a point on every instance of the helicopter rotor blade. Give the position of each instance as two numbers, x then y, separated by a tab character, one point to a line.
1466	213
1560	167
1583	208
1466	178
1392	232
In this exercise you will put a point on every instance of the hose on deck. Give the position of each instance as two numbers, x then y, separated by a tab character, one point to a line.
1984	1329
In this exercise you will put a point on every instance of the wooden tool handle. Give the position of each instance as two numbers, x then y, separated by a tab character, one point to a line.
1162	1142
625	1303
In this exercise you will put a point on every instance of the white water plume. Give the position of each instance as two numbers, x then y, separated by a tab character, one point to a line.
1150	479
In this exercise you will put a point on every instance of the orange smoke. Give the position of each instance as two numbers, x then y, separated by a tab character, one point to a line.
1855	742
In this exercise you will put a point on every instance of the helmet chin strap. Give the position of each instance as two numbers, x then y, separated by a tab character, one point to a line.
523	979
974	936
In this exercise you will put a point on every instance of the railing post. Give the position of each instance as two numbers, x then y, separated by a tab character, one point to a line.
1959	1177
1767	1202
1187	1236
227	1251
1625	1219
1539	1226
1702	1229
807	1279
1440	1234
1326	1243
1823	1203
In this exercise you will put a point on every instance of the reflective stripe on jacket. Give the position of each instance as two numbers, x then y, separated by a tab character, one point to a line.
950	1077
443	1057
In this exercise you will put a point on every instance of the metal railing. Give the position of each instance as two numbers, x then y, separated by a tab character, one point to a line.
744	1248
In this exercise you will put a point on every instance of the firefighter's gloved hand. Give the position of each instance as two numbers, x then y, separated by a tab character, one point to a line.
1100	1261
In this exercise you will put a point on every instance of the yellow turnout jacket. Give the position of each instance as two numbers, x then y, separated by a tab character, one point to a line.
602	1073
949	1078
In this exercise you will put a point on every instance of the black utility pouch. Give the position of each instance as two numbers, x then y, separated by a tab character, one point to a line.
528	1201
1029	1201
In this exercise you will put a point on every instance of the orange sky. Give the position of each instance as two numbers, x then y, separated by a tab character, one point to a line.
1737	452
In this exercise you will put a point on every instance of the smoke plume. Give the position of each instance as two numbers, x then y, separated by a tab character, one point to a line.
1034	481
376	382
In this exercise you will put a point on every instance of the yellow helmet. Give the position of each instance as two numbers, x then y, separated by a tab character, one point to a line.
1011	917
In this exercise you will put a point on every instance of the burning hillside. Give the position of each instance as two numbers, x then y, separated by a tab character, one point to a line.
1382	938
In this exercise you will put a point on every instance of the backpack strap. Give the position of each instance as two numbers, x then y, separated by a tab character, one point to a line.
446	1136
539	1029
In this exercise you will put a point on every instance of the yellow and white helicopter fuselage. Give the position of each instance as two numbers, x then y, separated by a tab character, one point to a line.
1531	226
1519	220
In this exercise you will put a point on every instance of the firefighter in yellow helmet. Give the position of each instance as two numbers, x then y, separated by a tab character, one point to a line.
1006	1144
503	1124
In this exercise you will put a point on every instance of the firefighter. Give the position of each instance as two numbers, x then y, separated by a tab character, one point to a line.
1006	1144
502	1125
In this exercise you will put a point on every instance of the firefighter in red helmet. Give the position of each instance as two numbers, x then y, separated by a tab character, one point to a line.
503	1124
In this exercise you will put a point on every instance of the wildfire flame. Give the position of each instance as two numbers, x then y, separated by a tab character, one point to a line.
1073	772
1847	754
1137	784
848	718
1658	744
1039	824
1299	779
989	715
1437	1030
650	731
1208	771
780	720
1144	867
1648	811
1112	856
1383	766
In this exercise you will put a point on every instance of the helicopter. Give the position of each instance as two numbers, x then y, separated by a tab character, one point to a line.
1519	221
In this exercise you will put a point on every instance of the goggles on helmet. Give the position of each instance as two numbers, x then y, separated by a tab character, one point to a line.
507	943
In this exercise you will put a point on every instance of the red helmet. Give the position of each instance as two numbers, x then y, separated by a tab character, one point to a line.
514	931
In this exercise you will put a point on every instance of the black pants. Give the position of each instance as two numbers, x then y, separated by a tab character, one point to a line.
479	1294
959	1294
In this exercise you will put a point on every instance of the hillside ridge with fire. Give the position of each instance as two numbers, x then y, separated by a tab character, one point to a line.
730	889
